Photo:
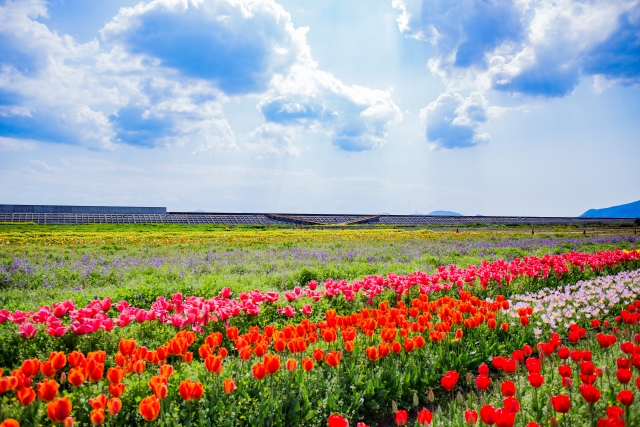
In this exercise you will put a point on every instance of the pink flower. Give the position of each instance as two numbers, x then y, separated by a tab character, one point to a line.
287	311
27	330
306	309
226	292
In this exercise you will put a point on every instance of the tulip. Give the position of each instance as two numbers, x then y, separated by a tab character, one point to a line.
115	375
30	367
624	376
333	358
213	364
99	402
470	417
291	365
77	376
26	395
425	417
10	422
127	347
449	380
59	409
307	364
482	382
190	390
228	386
536	380
508	388
47	370
259	371
114	405
590	393
336	420
97	417
47	390
561	403
166	370
57	360
625	397
401	417
488	415
318	354
149	408
75	359
116	390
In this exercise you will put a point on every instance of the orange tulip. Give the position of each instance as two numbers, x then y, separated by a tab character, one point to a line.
115	375
114	405
47	370
57	360
190	390
68	422
9	422
99	356
127	347
187	357
116	390
259	371
491	323
272	363
333	358
291	365
47	390
383	349
26	395
159	386
349	346
504	326
307	364
97	417
222	352
229	386
232	333
75	359
139	367
318	354
166	371
30	367
59	409
99	402
372	353
396	347
77	376
96	373
213	364
149	408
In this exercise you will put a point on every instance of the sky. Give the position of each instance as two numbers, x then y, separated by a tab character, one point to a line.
492	107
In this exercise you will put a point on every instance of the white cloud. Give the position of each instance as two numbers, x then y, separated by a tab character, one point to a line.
162	73
453	121
12	144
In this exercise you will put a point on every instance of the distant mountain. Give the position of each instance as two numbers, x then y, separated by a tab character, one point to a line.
444	213
630	210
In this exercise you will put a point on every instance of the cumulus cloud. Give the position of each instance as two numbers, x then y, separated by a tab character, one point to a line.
540	48
453	121
162	72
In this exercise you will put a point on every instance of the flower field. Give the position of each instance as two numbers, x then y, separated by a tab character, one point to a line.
546	338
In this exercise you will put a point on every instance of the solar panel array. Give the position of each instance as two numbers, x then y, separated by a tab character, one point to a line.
263	219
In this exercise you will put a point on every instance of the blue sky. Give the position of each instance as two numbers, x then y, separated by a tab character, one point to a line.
494	107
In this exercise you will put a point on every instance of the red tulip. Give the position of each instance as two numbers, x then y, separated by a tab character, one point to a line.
561	403
425	417
590	393
401	417
624	376
488	415
482	382
470	417
625	397
59	409
336	420
508	388
449	380
535	379
149	408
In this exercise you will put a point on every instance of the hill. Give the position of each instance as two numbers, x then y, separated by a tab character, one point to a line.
444	213
630	210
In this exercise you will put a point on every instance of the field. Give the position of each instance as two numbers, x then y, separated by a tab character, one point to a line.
207	326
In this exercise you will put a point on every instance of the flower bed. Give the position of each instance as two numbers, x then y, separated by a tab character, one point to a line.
557	308
197	312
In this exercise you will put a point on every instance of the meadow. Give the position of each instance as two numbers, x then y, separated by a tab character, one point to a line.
216	326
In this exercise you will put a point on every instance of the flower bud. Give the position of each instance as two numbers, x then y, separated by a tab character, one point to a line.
554	422
430	396
518	395
468	378
459	398
549	406
394	407
63	378
482	401
415	399
439	411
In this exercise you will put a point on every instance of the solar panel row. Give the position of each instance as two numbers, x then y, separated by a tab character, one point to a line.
295	219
